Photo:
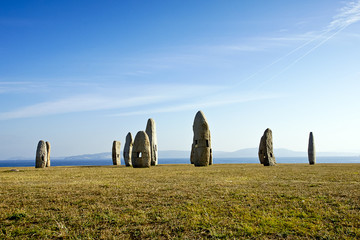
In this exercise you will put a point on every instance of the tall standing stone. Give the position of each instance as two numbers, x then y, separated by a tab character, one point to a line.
201	152
151	132
141	152
128	149
116	152
41	155
48	150
266	152
311	150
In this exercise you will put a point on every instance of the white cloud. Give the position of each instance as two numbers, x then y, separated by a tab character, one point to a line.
347	15
206	103
77	104
141	96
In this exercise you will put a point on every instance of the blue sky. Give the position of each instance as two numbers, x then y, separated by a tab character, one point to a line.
81	74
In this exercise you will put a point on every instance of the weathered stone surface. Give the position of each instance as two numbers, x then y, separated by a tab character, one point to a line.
266	152
141	152
116	152
128	149
311	150
261	150
41	155
201	152
48	149
151	132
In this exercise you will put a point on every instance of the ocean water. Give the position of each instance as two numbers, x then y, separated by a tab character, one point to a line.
104	162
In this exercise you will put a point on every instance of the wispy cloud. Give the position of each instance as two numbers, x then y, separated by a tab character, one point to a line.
77	104
347	15
96	102
205	103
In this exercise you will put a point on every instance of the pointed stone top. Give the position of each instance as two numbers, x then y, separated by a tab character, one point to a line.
268	130
150	126
311	134
150	121
200	117
129	137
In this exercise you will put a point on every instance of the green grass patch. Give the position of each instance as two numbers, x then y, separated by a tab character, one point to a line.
225	201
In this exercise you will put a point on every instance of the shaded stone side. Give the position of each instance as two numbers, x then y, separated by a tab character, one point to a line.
116	153
41	155
266	152
141	152
128	149
151	132
311	150
48	150
201	152
262	148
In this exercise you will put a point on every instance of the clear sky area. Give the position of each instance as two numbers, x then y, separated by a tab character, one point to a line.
81	74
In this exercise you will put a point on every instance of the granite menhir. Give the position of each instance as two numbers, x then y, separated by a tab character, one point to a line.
141	152
116	152
128	149
201	152
266	152
48	150
41	155
151	132
311	150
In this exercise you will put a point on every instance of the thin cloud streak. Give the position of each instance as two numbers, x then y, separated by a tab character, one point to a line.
77	104
348	15
198	105
96	102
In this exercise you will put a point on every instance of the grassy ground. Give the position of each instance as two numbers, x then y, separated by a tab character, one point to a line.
180	201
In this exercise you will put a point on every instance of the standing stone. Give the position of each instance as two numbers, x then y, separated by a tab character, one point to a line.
266	152
41	155
141	152
151	132
201	152
48	150
311	150
128	149
116	153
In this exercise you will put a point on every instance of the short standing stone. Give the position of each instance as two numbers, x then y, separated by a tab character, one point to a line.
41	155
266	152
311	150
151	132
48	149
116	153
201	152
141	153
128	149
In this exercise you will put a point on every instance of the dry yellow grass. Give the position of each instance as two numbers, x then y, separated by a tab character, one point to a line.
229	201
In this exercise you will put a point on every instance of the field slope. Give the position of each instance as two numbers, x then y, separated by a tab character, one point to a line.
245	201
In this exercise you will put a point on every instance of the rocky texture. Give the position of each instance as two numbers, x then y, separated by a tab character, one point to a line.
151	132
141	152
48	149
41	155
128	149
201	152
116	152
311	150
266	152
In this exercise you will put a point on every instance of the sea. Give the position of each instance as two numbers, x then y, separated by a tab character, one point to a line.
105	162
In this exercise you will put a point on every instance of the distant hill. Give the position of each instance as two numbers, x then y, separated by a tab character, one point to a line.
242	153
104	155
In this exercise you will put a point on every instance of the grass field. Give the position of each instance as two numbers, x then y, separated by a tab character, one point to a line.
245	201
